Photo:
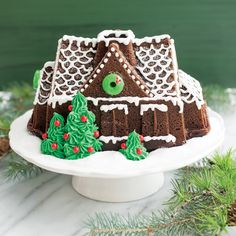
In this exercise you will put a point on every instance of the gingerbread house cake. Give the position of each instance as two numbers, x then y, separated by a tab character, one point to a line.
129	83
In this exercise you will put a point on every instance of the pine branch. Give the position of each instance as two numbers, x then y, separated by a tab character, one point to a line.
199	205
18	169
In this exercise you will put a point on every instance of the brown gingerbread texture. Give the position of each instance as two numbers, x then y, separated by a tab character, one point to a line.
158	100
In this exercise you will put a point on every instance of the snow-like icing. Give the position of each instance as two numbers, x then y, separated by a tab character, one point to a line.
191	90
156	39
136	100
105	37
146	107
111	107
167	138
44	87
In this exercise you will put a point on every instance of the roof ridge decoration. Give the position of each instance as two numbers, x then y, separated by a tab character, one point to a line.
121	36
114	49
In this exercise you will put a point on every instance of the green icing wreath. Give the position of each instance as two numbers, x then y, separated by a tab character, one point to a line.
113	84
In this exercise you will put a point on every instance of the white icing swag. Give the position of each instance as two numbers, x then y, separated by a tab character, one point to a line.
107	108
167	138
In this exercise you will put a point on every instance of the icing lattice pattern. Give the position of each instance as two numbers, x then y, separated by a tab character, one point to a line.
190	88
44	88
74	65
155	64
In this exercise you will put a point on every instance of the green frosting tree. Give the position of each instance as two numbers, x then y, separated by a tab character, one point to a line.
81	137
133	149
53	141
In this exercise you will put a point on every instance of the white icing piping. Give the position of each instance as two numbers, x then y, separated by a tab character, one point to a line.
107	108
136	100
175	66
60	99
40	87
146	107
157	39
104	36
80	40
154	65
123	62
191	90
167	138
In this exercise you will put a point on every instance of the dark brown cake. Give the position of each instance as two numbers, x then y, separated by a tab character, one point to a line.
159	101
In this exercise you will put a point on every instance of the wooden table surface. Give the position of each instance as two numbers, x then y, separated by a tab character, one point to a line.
204	32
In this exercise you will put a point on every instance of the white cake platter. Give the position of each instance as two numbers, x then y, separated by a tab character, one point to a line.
109	176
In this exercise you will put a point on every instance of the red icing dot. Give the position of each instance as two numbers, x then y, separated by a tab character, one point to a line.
141	138
54	146
83	118
96	134
44	136
139	151
123	145
75	149
66	136
70	108
90	149
118	80
57	123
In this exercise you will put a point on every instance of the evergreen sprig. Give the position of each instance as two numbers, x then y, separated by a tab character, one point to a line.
15	167
18	169
201	200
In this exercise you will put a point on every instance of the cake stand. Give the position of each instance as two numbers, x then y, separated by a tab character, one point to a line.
109	176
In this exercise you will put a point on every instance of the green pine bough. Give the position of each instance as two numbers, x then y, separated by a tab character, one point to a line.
201	202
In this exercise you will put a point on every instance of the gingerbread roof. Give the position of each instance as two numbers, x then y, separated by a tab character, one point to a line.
45	86
156	66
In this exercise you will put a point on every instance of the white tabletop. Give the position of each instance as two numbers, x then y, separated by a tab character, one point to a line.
48	206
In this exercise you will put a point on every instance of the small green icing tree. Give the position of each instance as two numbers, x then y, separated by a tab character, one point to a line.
53	141
133	149
81	137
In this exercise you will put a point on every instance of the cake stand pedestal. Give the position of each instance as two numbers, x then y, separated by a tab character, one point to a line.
109	176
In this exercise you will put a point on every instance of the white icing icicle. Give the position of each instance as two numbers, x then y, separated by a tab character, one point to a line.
136	100
107	108
156	39
146	107
104	36
167	138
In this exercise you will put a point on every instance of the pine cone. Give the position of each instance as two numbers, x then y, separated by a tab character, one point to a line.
4	145
232	215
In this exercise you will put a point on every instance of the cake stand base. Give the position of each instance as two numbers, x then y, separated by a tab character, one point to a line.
118	190
108	175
